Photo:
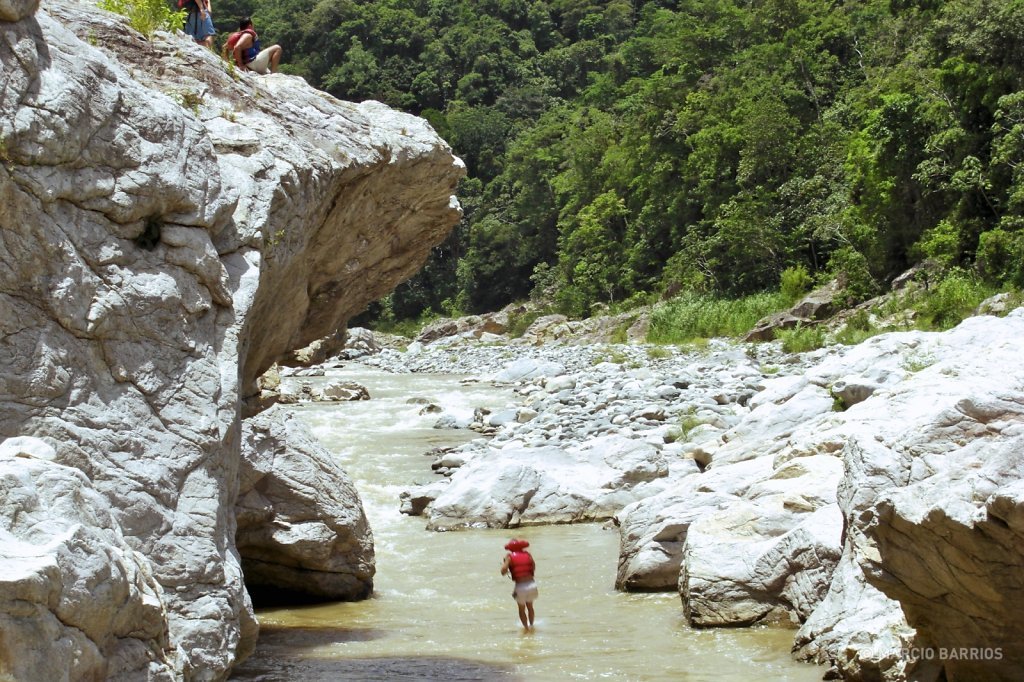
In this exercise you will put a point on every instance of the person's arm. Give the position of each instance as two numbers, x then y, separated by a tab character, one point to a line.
204	7
243	42
505	564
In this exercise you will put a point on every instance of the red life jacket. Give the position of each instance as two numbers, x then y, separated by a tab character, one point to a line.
521	566
249	53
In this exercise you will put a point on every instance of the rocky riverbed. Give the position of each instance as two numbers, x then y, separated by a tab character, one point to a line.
871	495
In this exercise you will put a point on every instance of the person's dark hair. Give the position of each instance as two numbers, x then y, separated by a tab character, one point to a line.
244	23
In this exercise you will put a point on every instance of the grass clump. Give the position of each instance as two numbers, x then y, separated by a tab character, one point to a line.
801	339
795	282
147	16
518	323
917	360
688	421
614	356
858	327
658	353
693	316
952	300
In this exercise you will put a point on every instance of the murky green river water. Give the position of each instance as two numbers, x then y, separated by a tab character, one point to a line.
441	611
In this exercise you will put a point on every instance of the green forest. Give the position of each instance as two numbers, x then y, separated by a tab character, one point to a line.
620	152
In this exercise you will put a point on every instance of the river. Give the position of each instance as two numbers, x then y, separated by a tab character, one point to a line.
440	609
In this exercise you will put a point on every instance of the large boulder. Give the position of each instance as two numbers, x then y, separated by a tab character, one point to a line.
76	601
951	551
520	486
529	368
752	563
157	258
811	309
652	536
301	526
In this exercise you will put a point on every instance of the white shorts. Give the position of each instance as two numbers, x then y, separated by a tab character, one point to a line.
261	62
525	592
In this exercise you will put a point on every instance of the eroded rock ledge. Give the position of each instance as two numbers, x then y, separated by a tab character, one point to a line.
167	231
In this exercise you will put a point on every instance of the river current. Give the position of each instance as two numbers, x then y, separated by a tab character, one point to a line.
440	609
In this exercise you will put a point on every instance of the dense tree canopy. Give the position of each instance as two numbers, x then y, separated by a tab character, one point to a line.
625	148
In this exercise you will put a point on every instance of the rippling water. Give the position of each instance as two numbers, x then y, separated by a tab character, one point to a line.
441	611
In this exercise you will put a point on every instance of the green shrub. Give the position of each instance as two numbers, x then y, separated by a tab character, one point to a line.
454	307
692	316
953	299
850	267
795	282
941	243
147	16
858	328
801	339
1000	257
518	323
572	302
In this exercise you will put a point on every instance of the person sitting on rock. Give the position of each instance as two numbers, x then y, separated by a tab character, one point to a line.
520	565
244	48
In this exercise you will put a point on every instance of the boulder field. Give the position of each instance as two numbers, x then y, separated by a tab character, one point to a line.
871	495
169	228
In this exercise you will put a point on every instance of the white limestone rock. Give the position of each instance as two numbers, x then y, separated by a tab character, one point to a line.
529	368
929	496
518	486
301	525
155	260
76	601
753	563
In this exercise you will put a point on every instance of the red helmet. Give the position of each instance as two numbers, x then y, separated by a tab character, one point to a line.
516	544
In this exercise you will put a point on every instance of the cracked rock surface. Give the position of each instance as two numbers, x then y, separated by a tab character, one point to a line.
167	231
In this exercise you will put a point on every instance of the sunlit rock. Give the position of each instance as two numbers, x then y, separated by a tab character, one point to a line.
170	230
76	601
533	485
301	525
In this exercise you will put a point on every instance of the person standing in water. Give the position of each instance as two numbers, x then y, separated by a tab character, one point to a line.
519	564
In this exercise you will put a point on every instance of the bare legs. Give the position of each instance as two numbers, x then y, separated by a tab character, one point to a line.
526	615
275	57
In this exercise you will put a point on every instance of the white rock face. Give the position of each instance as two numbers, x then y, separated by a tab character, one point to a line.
891	527
154	260
513	486
72	590
301	526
